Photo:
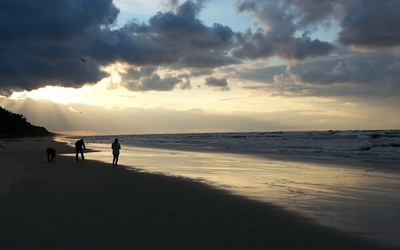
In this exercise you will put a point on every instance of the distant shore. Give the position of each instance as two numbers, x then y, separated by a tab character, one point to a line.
89	205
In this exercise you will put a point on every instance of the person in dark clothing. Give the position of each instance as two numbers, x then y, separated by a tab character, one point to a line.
80	147
115	148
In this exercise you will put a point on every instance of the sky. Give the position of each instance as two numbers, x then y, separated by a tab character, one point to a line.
170	66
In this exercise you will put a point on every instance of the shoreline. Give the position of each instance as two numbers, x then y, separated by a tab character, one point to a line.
322	160
89	205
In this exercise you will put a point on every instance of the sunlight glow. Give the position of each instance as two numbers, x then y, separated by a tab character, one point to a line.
55	94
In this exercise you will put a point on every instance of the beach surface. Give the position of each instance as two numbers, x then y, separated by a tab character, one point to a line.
70	204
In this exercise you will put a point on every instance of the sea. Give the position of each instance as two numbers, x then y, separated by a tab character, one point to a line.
349	180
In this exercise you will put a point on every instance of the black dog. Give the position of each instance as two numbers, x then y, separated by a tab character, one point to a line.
51	154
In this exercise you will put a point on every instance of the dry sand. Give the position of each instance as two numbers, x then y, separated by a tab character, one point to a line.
89	205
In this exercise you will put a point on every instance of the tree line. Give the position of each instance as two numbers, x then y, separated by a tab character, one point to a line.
16	125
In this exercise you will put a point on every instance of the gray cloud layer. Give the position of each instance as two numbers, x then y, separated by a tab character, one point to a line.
41	42
355	75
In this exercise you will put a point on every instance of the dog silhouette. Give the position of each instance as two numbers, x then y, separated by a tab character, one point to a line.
51	154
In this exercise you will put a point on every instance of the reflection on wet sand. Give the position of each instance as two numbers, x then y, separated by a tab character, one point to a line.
362	201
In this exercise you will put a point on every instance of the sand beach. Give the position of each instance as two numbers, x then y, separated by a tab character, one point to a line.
90	205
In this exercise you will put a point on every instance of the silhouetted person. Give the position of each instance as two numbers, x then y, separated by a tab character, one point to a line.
80	147
51	154
115	148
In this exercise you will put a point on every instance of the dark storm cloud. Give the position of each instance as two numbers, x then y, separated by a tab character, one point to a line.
53	20
41	42
371	23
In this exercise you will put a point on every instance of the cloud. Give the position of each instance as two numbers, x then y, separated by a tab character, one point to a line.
147	78
280	37
41	43
377	68
370	24
218	84
364	24
343	74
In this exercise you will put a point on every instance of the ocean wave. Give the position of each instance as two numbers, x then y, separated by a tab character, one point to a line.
365	145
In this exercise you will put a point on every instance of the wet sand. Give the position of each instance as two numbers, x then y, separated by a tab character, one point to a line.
90	205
